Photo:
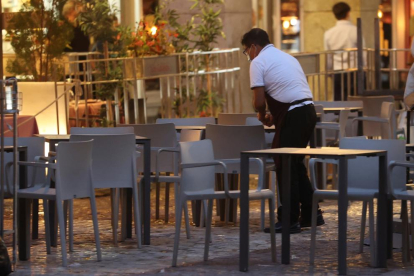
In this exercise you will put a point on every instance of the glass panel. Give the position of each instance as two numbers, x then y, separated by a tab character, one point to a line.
290	26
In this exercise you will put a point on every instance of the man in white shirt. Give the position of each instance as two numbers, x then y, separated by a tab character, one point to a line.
277	79
342	36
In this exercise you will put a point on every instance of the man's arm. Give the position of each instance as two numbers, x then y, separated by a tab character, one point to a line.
259	102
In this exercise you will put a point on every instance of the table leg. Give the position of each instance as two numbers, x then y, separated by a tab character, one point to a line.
286	161
244	213
360	130
128	203
342	215
147	192
384	220
24	214
52	208
35	219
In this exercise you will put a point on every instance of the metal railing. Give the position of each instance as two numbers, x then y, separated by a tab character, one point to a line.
184	81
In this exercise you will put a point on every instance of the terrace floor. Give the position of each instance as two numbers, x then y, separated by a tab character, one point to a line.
126	259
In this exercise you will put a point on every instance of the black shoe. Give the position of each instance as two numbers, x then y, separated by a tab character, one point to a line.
294	228
308	222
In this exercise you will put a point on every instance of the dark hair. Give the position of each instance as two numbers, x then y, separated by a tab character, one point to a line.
340	10
255	36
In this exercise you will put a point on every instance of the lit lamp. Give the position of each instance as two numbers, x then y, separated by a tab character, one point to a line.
153	30
380	14
286	24
12	98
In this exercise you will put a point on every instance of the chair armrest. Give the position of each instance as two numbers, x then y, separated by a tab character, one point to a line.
159	151
370	119
325	125
37	164
391	166
312	163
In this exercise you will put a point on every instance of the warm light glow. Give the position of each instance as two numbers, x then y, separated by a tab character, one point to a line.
380	14
293	21
153	30
286	24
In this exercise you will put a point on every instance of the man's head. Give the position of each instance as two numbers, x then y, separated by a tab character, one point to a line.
253	42
341	10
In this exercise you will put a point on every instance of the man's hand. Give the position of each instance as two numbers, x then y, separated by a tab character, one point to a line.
266	119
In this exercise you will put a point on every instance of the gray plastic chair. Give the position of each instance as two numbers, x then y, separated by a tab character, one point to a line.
202	121
197	183
387	121
362	183
114	163
71	157
398	189
234	119
229	141
372	108
163	139
252	121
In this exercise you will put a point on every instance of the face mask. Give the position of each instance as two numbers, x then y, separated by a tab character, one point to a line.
248	55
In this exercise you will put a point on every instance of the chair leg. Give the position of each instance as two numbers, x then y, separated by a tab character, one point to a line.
70	225
47	224
65	213
372	234
137	215
157	200
363	223
262	214
96	227
167	202
116	215
112	209
62	232
405	237
272	228
121	194
412	226
313	230
186	217
35	219
178	214
207	238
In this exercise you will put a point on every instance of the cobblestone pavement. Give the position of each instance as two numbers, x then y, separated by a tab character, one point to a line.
126	259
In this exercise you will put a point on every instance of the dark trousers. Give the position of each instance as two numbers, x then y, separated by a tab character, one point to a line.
296	131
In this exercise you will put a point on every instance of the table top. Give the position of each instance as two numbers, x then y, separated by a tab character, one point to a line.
66	137
337	109
316	151
10	148
190	127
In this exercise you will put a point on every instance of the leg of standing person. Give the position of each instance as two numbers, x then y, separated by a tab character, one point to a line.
296	132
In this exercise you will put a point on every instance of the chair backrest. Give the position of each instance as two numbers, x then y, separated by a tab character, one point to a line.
229	141
234	119
363	171
35	147
191	135
161	135
319	109
101	130
388	112
202	121
197	179
372	107
113	159
253	121
74	170
343	118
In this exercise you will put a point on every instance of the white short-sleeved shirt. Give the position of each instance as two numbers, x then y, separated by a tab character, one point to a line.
281	76
342	36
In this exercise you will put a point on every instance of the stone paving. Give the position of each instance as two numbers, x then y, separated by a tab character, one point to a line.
126	259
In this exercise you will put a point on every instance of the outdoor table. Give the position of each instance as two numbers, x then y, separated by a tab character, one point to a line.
383	240
146	142
23	218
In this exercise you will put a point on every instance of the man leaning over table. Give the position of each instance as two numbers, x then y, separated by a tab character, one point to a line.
277	79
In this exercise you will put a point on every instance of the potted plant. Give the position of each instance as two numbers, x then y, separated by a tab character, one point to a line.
38	36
